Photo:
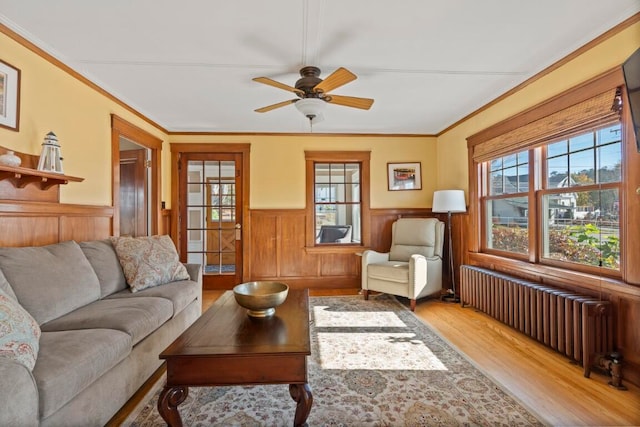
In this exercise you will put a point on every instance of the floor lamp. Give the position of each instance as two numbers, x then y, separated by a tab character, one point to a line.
449	201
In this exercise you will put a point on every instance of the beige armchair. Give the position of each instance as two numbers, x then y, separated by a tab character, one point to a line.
413	266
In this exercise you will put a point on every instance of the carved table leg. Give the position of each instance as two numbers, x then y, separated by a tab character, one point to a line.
168	403
301	393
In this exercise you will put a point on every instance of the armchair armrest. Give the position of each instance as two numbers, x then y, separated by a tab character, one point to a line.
370	257
18	395
425	275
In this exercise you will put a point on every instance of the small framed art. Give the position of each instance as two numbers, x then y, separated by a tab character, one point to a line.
9	96
404	176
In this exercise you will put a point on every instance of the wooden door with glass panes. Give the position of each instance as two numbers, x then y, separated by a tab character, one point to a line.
212	208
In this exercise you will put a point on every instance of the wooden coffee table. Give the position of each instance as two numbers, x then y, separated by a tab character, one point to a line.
227	347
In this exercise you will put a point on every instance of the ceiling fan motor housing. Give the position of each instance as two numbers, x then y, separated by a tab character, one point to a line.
309	79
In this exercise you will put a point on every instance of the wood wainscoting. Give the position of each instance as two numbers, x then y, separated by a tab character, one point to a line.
43	223
277	249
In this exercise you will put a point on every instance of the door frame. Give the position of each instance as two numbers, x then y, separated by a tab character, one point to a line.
122	128
242	149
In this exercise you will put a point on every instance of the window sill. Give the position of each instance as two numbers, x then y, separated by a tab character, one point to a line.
335	249
552	275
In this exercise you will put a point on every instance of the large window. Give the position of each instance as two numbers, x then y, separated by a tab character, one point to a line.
570	188
337	197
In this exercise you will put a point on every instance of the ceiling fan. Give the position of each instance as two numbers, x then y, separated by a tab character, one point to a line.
313	92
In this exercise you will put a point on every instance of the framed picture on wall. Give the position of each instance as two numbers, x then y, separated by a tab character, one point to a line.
9	96
404	176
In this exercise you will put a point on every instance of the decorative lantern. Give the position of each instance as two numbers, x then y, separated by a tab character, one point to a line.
50	158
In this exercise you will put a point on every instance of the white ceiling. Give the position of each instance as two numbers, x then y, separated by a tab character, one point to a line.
188	65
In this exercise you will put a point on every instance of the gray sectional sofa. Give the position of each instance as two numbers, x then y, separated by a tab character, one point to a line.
99	340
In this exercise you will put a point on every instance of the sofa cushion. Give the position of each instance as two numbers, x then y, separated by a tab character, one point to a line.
391	271
149	261
50	281
180	293
19	332
104	260
137	317
71	360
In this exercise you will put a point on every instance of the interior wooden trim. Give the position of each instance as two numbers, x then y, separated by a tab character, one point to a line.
133	132
122	128
593	43
367	135
205	147
23	208
551	274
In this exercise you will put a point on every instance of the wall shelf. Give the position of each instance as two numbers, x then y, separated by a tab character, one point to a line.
21	177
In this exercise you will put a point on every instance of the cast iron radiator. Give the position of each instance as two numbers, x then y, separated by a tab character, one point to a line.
577	326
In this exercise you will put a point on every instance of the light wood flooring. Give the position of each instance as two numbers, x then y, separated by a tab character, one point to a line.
540	378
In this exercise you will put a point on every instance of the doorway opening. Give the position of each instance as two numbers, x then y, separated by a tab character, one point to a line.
136	191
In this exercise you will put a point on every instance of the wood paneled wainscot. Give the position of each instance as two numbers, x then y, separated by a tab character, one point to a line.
278	252
43	223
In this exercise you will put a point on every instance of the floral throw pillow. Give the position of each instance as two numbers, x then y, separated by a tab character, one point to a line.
19	332
149	261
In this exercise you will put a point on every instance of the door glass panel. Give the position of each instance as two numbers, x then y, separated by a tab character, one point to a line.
211	220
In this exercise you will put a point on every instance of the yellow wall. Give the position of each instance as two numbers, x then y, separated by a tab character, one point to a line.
53	100
452	145
278	175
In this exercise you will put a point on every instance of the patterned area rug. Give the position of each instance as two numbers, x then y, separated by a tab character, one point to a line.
373	363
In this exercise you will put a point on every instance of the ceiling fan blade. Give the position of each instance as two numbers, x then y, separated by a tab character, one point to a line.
274	106
270	82
350	101
339	77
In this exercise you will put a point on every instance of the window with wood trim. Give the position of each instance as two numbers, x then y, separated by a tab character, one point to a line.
337	197
549	190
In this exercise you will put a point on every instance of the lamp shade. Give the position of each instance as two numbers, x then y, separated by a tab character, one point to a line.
448	201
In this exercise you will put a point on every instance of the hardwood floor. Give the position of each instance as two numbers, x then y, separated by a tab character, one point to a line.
542	379
539	377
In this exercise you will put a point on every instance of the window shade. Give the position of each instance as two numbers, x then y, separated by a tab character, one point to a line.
587	114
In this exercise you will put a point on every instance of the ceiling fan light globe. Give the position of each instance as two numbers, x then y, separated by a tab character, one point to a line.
311	107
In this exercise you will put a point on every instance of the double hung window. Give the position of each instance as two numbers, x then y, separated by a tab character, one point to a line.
550	190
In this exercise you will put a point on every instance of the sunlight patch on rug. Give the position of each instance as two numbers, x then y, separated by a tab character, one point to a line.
328	318
376	351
